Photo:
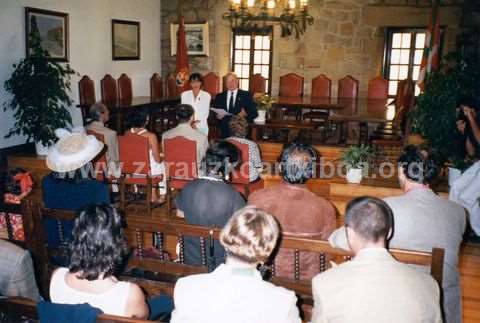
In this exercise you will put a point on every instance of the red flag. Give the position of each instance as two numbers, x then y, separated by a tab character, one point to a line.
430	59
182	69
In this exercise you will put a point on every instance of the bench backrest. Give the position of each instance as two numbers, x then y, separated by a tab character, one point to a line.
17	309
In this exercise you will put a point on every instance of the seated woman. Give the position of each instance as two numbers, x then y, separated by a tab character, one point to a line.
71	185
235	291
239	130
97	250
208	200
137	122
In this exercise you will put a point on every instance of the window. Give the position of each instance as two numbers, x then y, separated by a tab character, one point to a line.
403	56
252	54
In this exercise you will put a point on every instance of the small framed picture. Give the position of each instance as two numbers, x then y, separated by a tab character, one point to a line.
125	40
52	27
196	37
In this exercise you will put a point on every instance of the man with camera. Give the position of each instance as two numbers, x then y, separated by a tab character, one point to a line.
468	126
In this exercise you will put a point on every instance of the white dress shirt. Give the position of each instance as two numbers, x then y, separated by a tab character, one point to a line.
229	94
201	106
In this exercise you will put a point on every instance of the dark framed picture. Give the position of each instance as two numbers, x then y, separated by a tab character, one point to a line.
196	37
125	40
53	30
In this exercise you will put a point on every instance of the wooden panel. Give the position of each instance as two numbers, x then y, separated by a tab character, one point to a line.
109	88
291	84
377	88
348	87
321	86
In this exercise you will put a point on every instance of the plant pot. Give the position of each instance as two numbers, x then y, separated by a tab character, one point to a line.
261	116
354	175
453	175
41	149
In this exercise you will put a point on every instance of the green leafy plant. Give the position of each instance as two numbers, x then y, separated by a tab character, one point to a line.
39	89
357	156
434	116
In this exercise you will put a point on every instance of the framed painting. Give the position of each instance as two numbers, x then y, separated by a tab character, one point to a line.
52	27
196	37
125	40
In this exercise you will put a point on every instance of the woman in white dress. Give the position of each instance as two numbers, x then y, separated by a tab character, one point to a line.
199	100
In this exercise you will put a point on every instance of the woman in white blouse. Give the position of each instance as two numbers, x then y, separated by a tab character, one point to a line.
199	100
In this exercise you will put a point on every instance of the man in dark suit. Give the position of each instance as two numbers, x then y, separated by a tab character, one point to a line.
234	101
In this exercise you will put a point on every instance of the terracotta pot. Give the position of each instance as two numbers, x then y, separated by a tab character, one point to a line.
415	139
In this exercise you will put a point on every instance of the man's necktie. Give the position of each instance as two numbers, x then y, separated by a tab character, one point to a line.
230	104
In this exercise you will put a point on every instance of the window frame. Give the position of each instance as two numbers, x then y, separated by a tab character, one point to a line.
389	31
252	33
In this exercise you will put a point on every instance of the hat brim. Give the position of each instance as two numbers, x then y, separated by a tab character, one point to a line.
62	163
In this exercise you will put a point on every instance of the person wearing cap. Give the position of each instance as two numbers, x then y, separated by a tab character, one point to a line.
373	286
71	184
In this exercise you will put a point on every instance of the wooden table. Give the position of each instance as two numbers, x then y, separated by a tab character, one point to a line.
297	125
118	109
306	103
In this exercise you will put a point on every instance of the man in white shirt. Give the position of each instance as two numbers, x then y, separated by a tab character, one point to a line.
373	287
185	116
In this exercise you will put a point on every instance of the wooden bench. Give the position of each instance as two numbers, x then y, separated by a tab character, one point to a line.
153	242
17	309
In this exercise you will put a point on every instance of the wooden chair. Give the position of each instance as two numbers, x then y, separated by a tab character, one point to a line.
172	89
291	85
240	177
86	93
124	88
134	155
258	84
109	89
156	87
18	309
377	88
348	87
180	164
321	88
211	84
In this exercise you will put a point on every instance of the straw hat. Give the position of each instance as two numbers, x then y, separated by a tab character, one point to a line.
72	151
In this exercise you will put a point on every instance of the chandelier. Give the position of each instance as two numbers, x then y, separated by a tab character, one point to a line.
259	15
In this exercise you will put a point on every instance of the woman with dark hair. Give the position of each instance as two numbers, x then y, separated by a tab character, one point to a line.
97	250
138	123
208	200
199	100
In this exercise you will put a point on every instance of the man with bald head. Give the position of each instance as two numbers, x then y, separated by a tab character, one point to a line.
234	101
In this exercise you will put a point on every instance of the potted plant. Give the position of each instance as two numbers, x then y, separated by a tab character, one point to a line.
39	88
264	104
356	158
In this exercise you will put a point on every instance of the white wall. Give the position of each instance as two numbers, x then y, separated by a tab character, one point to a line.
90	45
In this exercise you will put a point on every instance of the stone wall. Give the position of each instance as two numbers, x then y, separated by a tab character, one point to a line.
347	38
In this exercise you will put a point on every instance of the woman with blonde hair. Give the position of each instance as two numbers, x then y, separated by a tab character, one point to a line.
235	291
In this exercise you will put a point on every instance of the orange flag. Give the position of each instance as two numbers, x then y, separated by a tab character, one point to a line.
430	59
182	69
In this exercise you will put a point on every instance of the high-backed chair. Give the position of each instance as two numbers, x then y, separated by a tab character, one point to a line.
124	88
321	88
224	82
134	157
109	88
240	177
156	87
377	88
291	85
348	87
180	164
258	84
211	83
172	89
86	93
